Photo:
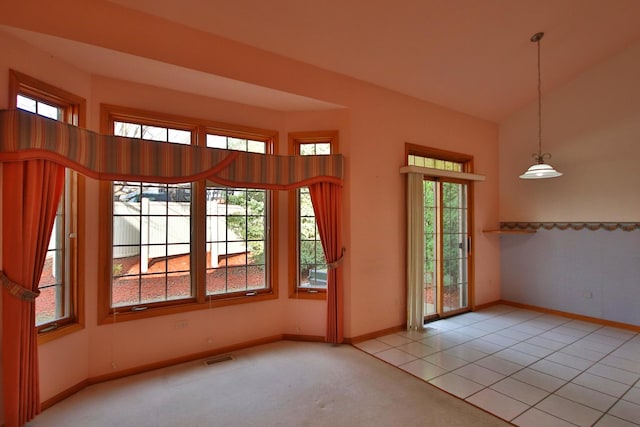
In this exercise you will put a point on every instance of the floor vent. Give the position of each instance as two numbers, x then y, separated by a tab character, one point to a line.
218	359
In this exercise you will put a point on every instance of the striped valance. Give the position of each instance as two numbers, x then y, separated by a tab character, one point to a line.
25	136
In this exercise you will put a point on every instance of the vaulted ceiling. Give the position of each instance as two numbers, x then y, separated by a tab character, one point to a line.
473	56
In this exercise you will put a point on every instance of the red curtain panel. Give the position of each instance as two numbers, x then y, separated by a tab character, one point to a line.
327	206
30	194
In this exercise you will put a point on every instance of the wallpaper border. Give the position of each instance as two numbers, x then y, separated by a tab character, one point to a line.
593	226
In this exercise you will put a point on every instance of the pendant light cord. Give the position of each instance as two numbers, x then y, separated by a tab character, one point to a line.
539	104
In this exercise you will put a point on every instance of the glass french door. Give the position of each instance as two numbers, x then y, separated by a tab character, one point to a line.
447	247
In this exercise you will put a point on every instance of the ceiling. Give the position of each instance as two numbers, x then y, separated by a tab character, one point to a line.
469	55
110	63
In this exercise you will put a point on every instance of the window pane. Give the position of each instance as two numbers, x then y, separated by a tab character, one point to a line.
427	162
323	149
257	277
179	231
126	261
216	281
430	246
237	144
151	238
237	278
52	304
255	202
255	255
257	228
216	141
46	305
49	111
236	240
153	288
179	287
155	133
126	227
256	147
230	143
308	229
179	136
124	292
26	104
315	149
306	207
129	130
236	228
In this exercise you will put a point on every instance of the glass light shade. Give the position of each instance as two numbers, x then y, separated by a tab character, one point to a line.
540	171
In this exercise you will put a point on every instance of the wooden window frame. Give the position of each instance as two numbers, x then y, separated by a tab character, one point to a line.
74	112
296	139
199	300
436	153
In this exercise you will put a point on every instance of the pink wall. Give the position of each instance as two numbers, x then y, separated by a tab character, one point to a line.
374	126
377	231
591	126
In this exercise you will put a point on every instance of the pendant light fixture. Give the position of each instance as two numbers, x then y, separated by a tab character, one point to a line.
540	169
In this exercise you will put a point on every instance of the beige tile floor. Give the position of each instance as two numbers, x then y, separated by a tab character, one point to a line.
526	367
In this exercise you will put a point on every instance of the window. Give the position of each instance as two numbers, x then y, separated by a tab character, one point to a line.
151	231
188	245
434	163
60	300
418	155
237	229
308	267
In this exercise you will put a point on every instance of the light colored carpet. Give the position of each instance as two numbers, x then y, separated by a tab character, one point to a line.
279	384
